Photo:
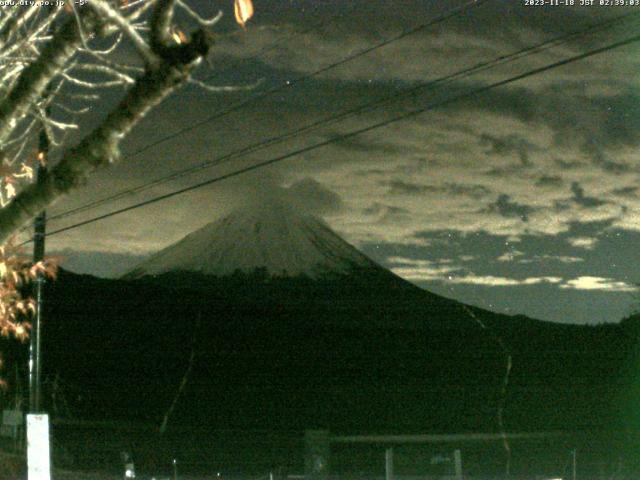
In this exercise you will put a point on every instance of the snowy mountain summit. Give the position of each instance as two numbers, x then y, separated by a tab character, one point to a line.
271	237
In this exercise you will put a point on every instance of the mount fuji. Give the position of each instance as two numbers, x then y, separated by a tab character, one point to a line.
272	257
271	237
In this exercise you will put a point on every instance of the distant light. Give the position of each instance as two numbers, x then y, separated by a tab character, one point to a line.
129	473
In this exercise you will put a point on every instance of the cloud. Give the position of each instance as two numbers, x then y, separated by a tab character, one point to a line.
311	196
421	270
510	256
447	275
517	256
469	190
101	264
581	199
484	32
386	214
507	145
564	164
510	209
588	243
305	194
557	258
445	270
356	144
602	159
494	281
399	187
598	283
553	181
631	192
430	172
498	163
600	126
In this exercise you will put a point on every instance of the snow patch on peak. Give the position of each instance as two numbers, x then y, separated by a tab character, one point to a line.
271	236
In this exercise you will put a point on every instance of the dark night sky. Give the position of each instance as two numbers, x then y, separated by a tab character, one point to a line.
524	199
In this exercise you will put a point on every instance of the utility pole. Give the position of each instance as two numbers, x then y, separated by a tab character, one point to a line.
35	394
38	443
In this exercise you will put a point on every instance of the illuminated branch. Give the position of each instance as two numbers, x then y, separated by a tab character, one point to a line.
160	24
112	15
101	146
34	79
13	23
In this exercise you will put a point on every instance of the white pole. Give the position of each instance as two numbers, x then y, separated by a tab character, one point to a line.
388	463
457	459
573	453
38	466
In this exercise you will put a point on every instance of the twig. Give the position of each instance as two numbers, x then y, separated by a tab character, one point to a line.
101	147
34	79
225	88
112	15
205	22
160	23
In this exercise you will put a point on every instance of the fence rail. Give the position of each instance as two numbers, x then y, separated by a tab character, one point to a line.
246	455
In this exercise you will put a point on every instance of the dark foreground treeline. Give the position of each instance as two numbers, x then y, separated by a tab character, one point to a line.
367	353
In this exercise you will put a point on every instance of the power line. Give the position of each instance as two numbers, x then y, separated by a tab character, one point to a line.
300	33
290	83
447	15
354	133
255	56
278	42
263	144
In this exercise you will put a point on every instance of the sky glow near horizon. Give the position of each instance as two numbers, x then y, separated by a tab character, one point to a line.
524	199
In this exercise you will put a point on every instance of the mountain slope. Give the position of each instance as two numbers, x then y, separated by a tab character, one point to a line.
292	354
270	237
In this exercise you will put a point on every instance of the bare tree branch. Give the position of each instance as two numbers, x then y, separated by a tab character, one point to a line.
106	70
112	15
34	79
161	25
15	22
101	53
93	85
205	22
225	88
146	5
34	35
101	146
48	62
